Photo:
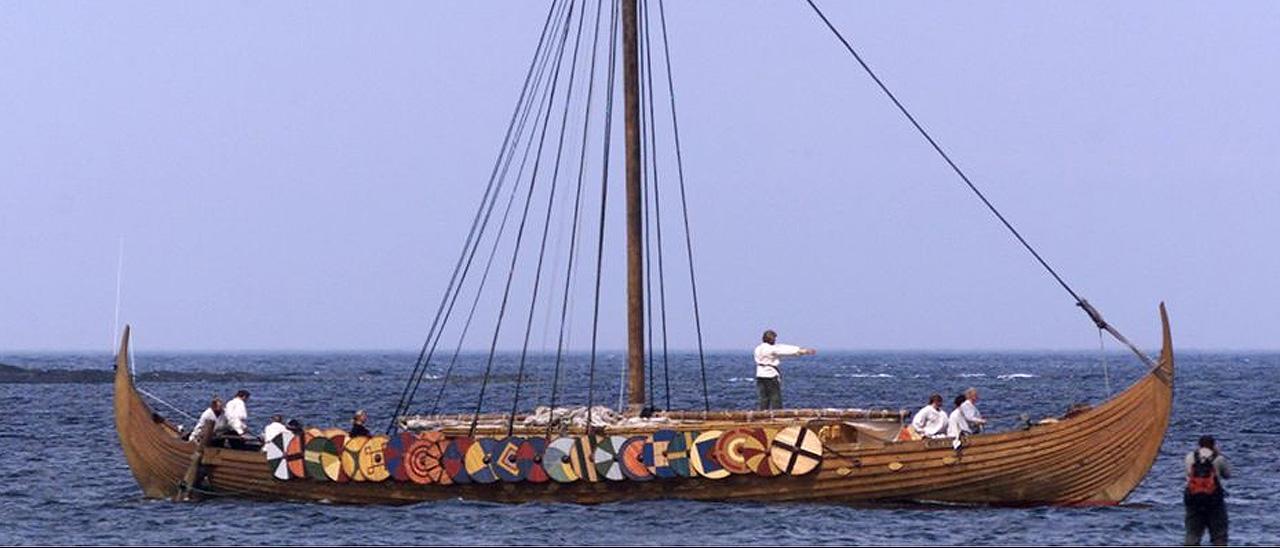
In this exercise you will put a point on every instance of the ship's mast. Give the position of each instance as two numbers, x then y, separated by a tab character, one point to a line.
635	249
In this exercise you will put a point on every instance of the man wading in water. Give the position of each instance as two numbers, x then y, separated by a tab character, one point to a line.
1204	496
768	381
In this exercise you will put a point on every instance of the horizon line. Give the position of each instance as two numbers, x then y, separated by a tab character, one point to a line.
744	350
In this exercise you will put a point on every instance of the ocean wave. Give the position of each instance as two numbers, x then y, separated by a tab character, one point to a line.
969	375
1016	376
865	375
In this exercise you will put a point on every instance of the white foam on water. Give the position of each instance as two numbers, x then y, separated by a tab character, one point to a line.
865	375
1016	376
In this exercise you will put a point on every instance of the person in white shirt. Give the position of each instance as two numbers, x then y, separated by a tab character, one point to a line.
236	415
930	421
274	428
970	411
768	376
212	416
956	425
965	420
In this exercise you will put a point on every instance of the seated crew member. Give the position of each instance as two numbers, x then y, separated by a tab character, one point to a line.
357	424
930	421
212	416
956	425
768	376
274	428
970	411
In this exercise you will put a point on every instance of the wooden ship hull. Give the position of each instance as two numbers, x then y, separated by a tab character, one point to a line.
1096	457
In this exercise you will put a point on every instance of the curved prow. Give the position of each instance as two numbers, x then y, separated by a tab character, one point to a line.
1164	368
153	449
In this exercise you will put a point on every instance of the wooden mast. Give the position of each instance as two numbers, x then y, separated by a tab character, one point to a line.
635	246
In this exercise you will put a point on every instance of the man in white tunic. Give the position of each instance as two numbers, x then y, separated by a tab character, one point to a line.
970	411
930	421
237	417
212	416
965	420
956	425
274	428
768	376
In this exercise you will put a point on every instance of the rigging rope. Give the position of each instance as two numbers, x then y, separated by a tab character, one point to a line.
645	155
577	209
424	356
604	195
524	216
684	206
657	200
546	226
1080	302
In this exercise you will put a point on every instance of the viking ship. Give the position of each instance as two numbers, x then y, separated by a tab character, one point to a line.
1092	456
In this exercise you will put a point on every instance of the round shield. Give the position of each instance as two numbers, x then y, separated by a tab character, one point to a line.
506	462
661	442
479	460
703	456
796	450
372	460
351	458
529	459
455	456
557	460
583	460
395	452
423	460
311	450
633	455
764	466
740	450
275	453
332	462
327	457
606	457
294	454
679	455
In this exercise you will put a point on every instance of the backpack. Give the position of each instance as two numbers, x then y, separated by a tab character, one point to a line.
1202	484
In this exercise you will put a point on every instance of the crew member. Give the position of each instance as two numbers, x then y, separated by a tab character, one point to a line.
274	428
930	421
236	429
768	376
357	424
1204	496
212	416
969	409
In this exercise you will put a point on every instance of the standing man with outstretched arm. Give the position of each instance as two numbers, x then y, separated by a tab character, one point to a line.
768	376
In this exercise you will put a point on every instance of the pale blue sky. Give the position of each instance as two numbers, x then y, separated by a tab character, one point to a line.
293	175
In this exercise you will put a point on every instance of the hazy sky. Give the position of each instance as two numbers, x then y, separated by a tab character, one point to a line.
292	175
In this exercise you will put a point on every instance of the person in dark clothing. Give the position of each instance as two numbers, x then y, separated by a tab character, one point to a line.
357	424
1204	496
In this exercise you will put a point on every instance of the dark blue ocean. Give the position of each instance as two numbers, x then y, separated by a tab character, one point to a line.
66	482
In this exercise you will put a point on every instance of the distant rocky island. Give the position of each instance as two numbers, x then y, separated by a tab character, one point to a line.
12	374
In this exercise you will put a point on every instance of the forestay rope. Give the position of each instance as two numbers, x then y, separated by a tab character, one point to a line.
1080	302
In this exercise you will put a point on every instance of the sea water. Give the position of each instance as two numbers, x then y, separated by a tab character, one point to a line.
65	480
